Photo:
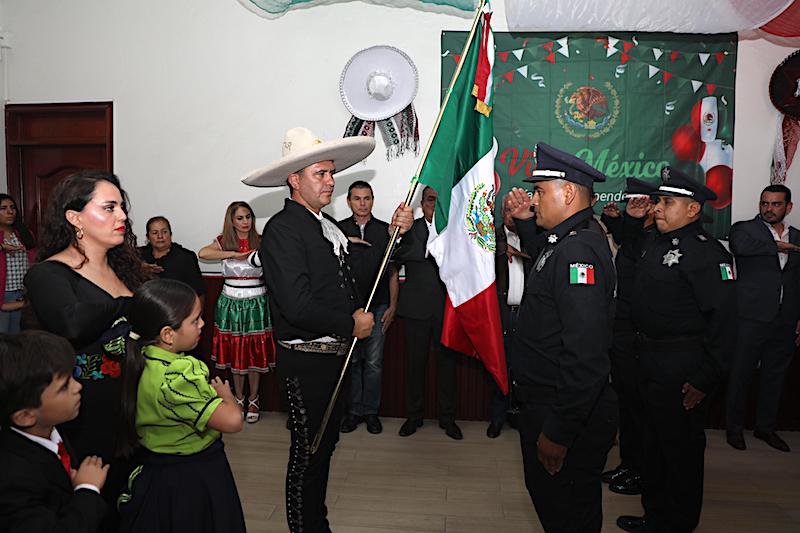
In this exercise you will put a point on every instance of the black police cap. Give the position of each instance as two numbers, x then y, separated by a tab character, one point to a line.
554	164
637	187
676	183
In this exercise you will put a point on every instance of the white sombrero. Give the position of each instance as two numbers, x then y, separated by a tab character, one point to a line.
302	148
378	82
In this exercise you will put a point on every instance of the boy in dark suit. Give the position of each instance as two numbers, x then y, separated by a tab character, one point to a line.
39	491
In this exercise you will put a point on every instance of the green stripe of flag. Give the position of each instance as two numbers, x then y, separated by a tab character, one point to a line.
463	137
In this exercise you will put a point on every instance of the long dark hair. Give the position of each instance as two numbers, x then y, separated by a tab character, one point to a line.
24	233
156	304
230	240
73	193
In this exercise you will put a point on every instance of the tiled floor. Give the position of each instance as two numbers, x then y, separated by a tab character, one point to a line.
428	482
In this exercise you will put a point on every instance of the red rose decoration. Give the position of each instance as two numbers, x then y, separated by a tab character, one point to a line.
110	368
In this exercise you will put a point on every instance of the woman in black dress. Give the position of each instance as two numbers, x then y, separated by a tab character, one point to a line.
80	290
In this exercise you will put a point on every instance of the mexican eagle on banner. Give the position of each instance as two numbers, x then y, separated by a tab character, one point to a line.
460	167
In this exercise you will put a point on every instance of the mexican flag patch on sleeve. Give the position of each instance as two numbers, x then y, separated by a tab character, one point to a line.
581	274
726	271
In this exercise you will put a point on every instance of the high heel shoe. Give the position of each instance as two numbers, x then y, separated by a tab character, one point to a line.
241	405
253	416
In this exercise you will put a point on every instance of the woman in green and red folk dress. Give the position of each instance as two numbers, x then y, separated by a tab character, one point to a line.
242	328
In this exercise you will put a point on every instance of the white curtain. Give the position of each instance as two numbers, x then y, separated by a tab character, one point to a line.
679	16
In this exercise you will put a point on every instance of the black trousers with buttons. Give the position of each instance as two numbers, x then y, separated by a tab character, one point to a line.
308	380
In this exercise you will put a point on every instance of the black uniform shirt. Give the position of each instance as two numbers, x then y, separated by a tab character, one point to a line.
628	234
564	326
684	286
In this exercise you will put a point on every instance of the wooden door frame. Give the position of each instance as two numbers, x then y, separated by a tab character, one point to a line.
16	138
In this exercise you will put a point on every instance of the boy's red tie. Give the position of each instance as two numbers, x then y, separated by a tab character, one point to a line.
64	456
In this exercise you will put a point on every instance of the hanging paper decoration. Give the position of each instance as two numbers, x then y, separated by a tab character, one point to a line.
679	16
275	8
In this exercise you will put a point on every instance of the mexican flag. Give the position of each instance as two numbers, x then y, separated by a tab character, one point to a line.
460	167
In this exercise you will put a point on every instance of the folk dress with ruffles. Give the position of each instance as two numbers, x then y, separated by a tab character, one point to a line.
242	326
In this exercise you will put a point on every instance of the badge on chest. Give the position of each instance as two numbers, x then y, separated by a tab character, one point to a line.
672	257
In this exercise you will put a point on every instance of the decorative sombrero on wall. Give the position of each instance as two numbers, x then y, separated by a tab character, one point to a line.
784	86
377	86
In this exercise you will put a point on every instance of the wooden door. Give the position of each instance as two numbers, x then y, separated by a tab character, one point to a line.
47	142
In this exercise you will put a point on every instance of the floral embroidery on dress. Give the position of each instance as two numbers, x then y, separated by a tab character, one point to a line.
99	366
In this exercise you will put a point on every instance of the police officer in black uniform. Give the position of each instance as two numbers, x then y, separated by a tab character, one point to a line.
685	318
559	361
627	477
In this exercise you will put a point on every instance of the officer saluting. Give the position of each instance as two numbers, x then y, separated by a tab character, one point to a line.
559	361
685	315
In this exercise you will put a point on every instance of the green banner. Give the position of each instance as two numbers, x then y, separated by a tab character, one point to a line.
627	103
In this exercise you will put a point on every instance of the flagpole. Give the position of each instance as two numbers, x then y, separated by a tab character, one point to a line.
396	232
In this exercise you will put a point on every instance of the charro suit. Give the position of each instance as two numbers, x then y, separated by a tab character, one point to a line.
36	495
421	304
769	308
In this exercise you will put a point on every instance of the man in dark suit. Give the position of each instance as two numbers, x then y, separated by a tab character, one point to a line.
39	489
768	291
421	304
368	241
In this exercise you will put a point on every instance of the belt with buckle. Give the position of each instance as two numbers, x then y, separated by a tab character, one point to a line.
328	348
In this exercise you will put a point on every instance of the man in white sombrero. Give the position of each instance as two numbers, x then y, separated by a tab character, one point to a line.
312	302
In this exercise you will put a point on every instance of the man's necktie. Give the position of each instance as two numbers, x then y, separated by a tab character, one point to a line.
64	456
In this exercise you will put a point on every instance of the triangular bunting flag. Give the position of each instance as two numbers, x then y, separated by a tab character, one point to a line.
667	76
652	71
657	53
627	46
711	88
696	85
503	56
509	76
457	58
518	54
564	44
548	46
674	55
611	46
719	56
551	58
624	58
703	58
523	71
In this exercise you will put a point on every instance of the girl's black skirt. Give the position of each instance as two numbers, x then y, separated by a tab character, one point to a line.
182	493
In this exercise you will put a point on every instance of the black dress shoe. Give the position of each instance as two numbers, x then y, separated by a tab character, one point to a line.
451	429
736	440
350	422
619	473
494	429
629	486
410	426
635	524
374	425
773	440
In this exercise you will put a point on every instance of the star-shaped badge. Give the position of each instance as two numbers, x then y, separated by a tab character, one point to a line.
675	241
552	238
672	257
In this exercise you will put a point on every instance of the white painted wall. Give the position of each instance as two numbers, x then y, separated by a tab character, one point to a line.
204	90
